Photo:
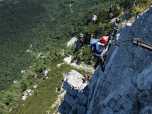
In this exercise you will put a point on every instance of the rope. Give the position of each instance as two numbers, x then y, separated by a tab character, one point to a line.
138	40
135	39
115	43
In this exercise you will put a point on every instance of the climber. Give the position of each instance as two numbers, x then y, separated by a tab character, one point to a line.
100	46
86	78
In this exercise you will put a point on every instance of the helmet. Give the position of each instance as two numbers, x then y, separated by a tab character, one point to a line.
104	39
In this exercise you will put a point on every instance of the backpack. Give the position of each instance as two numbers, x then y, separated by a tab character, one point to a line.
93	45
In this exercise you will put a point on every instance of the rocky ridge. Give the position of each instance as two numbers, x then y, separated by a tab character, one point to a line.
125	86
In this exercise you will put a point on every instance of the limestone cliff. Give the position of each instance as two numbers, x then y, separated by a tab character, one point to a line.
125	87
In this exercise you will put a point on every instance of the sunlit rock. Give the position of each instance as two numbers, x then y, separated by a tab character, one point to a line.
26	93
58	65
35	86
94	18
72	41
23	71
74	96
68	59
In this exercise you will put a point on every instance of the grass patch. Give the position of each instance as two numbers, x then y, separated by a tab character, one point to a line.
141	6
45	94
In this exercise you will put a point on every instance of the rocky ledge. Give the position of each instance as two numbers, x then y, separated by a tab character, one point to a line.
75	100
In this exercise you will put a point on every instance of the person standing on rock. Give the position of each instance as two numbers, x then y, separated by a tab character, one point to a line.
100	45
86	78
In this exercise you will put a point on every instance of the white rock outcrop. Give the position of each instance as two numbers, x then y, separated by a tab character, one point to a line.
35	86
68	59
26	93
94	18
23	71
81	35
38	55
58	65
14	82
72	41
46	71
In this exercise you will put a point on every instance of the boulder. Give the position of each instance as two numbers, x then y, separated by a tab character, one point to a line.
74	98
68	59
72	41
94	18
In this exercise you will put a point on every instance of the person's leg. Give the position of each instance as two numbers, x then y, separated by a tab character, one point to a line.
102	63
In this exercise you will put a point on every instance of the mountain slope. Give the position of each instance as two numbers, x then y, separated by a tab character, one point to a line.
125	85
44	24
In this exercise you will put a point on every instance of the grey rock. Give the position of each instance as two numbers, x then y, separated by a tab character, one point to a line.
69	99
73	81
146	110
76	94
72	41
126	16
81	109
82	98
24	71
64	108
78	45
81	35
125	87
94	18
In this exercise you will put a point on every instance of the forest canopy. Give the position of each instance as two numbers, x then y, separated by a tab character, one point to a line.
39	26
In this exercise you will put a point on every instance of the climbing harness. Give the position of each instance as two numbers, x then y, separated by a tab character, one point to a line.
136	41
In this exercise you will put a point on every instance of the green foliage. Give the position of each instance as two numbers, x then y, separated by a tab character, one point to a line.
86	54
106	31
45	94
103	16
70	50
8	100
141	5
121	16
116	11
93	29
126	3
142	1
47	25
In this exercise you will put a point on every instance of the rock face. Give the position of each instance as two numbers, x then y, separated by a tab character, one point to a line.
75	100
78	45
125	87
114	27
127	13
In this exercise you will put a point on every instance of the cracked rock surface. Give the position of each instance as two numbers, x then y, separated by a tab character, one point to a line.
75	100
125	87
